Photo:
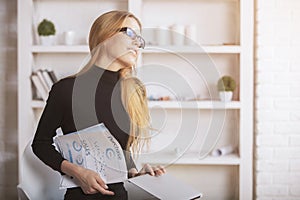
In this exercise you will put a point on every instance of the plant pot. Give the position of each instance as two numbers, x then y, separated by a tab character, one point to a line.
47	40
225	96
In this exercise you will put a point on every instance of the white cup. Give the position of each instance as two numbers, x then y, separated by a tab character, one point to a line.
178	34
191	34
69	37
162	35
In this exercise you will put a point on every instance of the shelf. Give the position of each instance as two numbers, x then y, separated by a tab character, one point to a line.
194	104
191	0
147	50
192	159
78	0
60	49
39	104
194	49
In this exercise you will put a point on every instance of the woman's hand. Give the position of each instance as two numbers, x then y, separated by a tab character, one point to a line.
147	169
89	180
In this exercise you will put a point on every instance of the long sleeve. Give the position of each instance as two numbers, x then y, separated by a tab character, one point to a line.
50	120
129	160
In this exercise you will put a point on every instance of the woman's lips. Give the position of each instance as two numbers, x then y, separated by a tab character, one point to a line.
134	52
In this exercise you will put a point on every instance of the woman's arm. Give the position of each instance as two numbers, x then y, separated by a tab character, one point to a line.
131	167
50	120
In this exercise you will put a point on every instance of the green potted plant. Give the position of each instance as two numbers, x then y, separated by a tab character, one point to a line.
46	31
226	85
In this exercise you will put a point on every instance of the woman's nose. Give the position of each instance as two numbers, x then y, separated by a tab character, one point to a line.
136	43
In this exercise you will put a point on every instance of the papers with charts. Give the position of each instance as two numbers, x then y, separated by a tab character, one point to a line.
96	149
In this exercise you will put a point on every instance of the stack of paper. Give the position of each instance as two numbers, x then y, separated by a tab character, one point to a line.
96	149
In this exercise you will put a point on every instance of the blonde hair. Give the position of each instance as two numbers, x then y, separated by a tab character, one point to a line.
134	98
133	92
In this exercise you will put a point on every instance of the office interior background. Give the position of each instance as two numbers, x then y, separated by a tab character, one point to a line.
276	99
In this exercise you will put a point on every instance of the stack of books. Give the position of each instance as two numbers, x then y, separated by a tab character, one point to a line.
43	79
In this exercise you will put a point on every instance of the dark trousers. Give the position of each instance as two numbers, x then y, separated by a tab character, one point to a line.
117	188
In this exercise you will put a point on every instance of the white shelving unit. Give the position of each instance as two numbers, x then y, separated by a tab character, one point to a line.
148	49
192	159
60	49
38	104
225	32
194	49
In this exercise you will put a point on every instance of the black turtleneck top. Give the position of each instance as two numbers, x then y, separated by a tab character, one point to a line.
78	102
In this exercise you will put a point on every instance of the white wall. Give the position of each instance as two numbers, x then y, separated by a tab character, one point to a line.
277	99
8	99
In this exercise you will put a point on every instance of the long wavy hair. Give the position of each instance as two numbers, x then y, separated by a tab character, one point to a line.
133	92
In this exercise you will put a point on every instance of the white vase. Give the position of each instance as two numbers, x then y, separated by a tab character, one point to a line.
162	35
47	40
225	96
69	37
190	34
178	34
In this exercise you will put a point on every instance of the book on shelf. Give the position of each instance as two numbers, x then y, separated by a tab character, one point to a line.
39	73
41	91
47	79
43	79
52	75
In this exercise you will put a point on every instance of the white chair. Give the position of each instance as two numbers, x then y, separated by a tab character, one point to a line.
38	181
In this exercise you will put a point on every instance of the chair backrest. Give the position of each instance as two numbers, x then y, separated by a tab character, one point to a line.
38	181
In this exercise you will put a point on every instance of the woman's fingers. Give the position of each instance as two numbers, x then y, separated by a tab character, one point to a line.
159	170
153	171
162	169
101	182
102	187
92	183
149	169
97	188
102	190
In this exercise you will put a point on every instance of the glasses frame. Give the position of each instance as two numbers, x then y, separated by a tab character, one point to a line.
134	36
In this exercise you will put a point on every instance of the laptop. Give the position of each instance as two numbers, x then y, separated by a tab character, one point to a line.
164	187
136	193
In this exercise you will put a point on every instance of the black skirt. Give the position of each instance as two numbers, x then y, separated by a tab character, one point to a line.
117	188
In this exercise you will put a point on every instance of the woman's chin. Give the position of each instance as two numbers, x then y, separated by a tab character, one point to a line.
130	63
127	65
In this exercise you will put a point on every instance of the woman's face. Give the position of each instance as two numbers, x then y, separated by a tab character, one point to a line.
123	49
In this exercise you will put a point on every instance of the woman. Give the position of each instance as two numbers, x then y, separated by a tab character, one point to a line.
104	91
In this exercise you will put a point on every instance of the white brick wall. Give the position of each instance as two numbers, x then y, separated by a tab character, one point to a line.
8	100
277	105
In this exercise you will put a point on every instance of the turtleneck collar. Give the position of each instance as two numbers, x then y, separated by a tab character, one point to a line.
106	75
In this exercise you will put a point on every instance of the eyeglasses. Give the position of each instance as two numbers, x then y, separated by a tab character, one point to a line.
132	34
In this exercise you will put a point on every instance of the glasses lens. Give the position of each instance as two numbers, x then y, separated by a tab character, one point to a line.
130	33
141	42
